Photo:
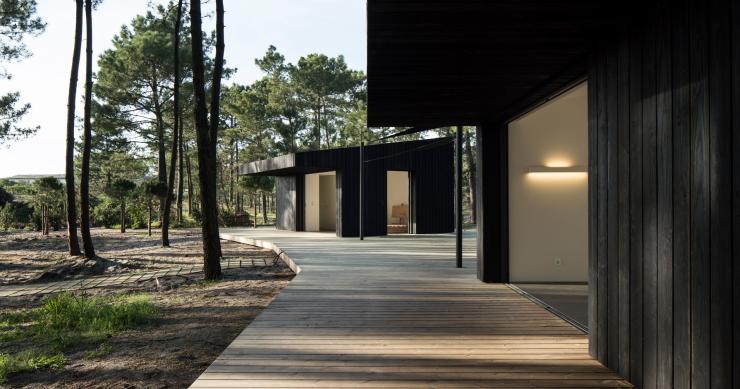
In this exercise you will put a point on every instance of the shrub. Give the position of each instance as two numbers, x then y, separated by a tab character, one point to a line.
65	321
28	361
105	213
69	318
5	197
7	216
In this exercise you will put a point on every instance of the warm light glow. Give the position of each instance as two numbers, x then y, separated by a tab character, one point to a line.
558	163
557	176
557	173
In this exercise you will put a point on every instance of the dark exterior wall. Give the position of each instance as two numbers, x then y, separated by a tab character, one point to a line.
664	128
429	161
492	206
285	198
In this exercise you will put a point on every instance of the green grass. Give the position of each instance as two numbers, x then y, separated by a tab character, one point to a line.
64	322
28	361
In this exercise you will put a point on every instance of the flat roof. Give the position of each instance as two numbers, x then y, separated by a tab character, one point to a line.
434	63
316	161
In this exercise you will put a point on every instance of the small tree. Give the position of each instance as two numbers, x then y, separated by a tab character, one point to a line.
121	189
47	193
153	189
5	197
7	216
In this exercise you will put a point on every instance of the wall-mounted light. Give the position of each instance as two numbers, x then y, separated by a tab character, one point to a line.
557	169
558	173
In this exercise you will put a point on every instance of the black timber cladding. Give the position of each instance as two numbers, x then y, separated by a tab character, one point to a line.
664	135
429	161
664	168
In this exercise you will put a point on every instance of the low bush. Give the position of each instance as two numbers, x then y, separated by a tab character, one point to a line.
65	322
28	361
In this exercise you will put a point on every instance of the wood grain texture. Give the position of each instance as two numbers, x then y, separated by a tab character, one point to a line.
612	212
623	200
735	13
664	204
699	208
681	212
636	226
682	92
396	313
602	269
593	279
720	183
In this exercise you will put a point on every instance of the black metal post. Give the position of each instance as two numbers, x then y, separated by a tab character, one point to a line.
458	196
362	173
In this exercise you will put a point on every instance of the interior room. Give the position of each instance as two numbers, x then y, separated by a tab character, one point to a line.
548	203
398	202
321	201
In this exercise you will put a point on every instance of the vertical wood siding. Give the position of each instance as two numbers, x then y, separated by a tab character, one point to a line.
664	123
285	202
429	161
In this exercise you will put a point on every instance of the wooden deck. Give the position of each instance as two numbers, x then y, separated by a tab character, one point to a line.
394	312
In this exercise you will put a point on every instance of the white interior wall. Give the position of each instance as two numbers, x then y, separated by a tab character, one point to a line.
398	190
328	202
548	212
311	205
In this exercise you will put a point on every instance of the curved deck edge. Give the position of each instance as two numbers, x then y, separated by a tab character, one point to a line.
265	245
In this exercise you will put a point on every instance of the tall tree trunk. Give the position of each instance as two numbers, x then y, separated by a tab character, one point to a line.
43	220
207	136
123	216
175	134
69	174
85	176
317	132
231	173
471	174
161	149
149	220
190	184
264	207
181	178
254	213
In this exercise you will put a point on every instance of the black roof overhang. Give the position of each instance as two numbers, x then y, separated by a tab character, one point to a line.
284	165
325	160
434	63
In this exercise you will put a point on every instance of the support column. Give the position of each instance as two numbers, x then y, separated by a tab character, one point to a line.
493	205
361	200
458	197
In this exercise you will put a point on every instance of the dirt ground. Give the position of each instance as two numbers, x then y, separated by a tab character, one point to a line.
196	321
26	256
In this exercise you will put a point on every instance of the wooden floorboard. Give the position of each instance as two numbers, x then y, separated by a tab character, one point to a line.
396	313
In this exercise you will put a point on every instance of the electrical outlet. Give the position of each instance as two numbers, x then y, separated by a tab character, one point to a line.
558	262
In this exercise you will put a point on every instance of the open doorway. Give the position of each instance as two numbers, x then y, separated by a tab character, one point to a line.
548	204
398	204
321	202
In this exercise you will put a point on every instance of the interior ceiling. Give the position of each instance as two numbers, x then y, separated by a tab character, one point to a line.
434	63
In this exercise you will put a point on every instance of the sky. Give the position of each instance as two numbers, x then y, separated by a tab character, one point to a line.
295	27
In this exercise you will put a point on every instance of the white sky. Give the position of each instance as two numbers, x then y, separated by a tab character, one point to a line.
295	27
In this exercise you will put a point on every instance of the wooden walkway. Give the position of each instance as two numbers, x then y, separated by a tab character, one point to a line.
395	313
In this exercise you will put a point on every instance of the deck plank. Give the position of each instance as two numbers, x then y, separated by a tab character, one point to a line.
396	313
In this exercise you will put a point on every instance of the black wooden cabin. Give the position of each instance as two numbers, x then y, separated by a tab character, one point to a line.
429	164
664	136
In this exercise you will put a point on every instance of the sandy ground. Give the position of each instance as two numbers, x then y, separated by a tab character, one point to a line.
24	256
197	319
